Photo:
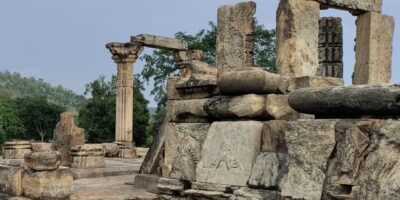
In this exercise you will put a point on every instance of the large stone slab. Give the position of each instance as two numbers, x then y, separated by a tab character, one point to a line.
10	180
347	101
252	81
183	144
229	152
66	135
151	162
310	144
42	161
297	37
56	184
160	42
16	149
235	27
354	5
373	49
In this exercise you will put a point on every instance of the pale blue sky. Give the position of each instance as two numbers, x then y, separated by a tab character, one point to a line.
62	41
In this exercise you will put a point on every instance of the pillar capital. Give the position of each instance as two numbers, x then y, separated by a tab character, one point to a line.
124	52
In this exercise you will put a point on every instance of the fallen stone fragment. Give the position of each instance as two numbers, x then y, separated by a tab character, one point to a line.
203	194
251	81
110	149
348	101
10	180
66	135
16	149
245	193
214	187
41	161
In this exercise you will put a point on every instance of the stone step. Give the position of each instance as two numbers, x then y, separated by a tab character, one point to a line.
114	167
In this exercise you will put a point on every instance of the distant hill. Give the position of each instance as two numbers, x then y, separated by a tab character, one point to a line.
14	85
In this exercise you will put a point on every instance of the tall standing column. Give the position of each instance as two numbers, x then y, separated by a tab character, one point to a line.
124	54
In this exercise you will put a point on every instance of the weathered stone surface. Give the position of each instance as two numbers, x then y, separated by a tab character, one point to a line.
268	170
314	82
310	144
160	42
373	49
235	25
252	80
203	194
87	156
169	186
229	152
41	146
10	180
15	153
348	101
297	37
141	152
126	150
214	187
365	164
355	5
56	184
277	107
16	149
66	135
41	161
183	144
151	162
186	110
87	150
110	149
245	106
273	137
87	162
255	194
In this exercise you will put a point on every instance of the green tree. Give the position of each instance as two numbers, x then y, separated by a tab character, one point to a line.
97	114
39	116
161	64
11	126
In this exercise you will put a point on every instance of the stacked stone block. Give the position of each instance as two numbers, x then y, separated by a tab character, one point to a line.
87	156
330	47
16	149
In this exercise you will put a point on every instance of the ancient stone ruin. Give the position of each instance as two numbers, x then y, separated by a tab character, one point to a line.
235	131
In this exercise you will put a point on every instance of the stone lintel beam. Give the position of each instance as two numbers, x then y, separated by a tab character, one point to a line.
354	101
160	42
354	6
124	52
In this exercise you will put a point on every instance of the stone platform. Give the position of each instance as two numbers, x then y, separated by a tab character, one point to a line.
113	167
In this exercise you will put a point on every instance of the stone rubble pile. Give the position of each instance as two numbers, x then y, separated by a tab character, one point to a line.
298	134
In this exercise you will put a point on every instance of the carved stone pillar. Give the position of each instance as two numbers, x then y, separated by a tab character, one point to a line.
124	54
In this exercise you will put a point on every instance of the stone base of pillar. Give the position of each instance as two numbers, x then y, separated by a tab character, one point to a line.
126	150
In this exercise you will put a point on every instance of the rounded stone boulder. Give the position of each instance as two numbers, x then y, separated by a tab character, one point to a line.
43	161
110	149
